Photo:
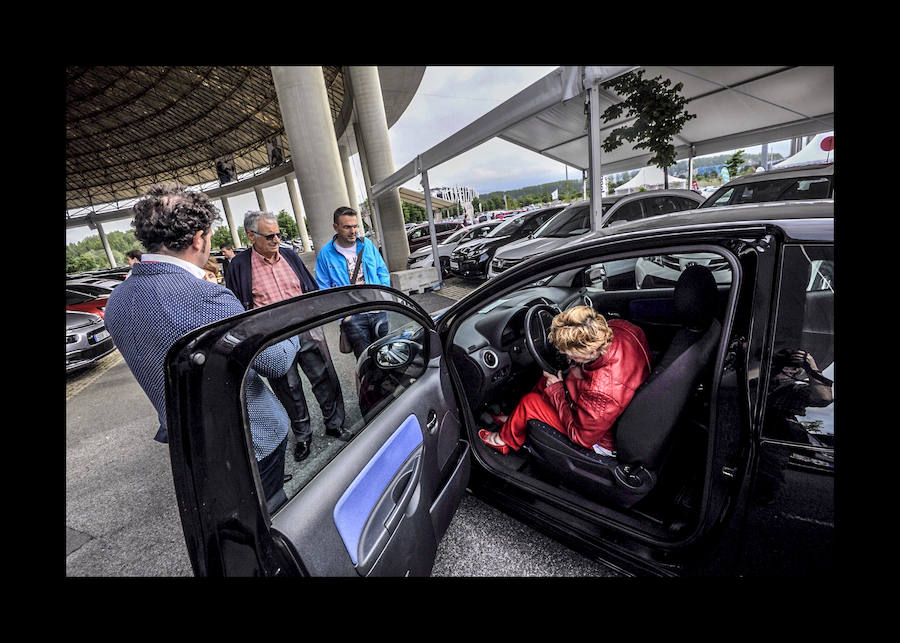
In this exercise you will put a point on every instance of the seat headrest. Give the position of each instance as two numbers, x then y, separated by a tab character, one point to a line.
696	297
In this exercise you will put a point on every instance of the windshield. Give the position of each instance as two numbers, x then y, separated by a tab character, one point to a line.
507	227
569	222
456	236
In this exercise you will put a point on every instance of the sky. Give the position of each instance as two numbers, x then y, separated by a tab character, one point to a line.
448	99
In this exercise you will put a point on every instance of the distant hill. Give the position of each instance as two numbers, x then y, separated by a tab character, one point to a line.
573	186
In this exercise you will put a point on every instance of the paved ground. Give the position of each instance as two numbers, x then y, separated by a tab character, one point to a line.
122	516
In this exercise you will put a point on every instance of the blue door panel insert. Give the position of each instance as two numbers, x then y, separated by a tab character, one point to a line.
359	499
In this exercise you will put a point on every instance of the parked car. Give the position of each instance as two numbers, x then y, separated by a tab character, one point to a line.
716	470
422	258
575	222
472	260
88	288
86	302
791	183
420	235
87	340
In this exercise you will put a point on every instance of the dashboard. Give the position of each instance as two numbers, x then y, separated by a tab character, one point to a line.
489	348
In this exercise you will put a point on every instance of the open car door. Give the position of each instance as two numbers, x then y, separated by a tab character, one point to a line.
375	505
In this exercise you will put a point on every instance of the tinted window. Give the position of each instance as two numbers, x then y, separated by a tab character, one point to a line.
570	222
628	212
784	189
800	406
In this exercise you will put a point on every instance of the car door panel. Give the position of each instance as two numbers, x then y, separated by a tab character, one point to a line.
378	507
370	511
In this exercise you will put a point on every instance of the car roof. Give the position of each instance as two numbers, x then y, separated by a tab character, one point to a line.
615	198
786	214
777	172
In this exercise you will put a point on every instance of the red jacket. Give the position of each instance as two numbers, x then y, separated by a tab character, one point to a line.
593	396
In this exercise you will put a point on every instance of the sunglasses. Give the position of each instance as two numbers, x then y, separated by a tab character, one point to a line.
269	237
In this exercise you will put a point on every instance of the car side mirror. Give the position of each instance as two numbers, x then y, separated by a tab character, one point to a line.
397	353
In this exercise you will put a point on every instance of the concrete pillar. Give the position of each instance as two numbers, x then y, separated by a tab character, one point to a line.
298	212
344	151
310	130
235	237
367	183
367	100
260	199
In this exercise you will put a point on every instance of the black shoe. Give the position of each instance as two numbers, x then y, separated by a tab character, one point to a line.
340	433
301	450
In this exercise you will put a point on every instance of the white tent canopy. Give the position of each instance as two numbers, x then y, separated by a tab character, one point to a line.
735	107
649	178
820	149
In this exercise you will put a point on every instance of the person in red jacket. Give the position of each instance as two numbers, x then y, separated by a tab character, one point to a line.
610	361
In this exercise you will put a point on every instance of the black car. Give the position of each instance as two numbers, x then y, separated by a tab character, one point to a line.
471	260
723	461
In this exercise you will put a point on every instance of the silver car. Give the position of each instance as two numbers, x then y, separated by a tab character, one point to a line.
422	258
574	223
789	183
87	340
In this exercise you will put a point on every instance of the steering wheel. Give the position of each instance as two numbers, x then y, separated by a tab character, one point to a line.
537	327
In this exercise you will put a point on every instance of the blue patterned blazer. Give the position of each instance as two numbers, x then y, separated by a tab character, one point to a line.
160	303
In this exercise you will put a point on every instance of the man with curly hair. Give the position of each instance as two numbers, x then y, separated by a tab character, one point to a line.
166	297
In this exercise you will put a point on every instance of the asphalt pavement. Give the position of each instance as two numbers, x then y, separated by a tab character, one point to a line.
122	516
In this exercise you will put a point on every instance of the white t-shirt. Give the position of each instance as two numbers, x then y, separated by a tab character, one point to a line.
351	256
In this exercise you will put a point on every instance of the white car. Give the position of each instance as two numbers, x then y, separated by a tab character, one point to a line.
423	257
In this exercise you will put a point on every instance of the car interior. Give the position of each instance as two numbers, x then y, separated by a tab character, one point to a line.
654	480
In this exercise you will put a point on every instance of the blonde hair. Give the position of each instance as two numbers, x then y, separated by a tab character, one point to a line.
580	330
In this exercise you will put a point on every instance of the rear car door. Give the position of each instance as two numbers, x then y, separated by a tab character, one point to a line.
375	505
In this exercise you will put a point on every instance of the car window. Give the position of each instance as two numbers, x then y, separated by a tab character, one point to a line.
359	389
800	393
569	222
662	271
459	236
812	188
628	212
720	198
682	203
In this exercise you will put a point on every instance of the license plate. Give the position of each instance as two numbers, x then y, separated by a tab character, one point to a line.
103	334
454	265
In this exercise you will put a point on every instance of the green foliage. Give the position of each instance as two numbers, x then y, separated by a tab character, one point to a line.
735	162
223	235
659	114
88	254
288	224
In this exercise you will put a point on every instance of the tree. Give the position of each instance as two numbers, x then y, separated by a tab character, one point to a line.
735	162
659	115
288	224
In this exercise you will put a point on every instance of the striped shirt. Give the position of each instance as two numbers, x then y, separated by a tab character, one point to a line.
273	279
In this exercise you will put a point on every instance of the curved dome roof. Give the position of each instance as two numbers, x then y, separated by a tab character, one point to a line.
130	127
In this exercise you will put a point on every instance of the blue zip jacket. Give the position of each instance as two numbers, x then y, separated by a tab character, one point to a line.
331	266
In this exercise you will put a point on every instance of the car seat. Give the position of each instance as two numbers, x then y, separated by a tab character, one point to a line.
643	433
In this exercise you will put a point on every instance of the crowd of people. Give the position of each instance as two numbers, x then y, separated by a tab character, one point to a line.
174	287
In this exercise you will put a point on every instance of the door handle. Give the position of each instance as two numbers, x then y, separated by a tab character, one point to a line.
402	492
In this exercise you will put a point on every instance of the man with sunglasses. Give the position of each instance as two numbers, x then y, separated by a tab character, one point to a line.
264	275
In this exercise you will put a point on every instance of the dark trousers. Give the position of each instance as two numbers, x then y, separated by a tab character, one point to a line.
271	474
315	360
363	329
